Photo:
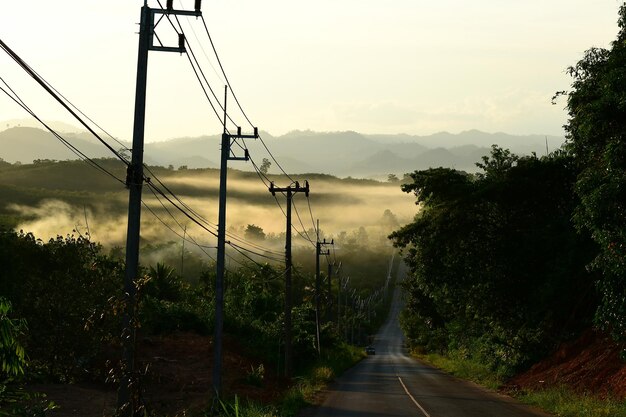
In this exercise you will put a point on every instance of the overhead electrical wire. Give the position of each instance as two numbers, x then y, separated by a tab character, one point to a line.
123	145
229	234
50	91
261	175
193	61
200	44
64	102
64	141
295	207
84	157
57	95
206	28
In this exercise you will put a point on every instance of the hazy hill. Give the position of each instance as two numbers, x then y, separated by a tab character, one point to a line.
337	153
26	144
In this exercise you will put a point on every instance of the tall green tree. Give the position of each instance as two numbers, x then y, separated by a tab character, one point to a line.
596	134
497	268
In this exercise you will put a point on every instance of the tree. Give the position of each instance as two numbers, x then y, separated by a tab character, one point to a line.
392	178
254	232
265	166
486	277
596	137
12	354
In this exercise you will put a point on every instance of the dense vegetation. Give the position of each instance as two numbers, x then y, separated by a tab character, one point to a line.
498	270
508	262
63	301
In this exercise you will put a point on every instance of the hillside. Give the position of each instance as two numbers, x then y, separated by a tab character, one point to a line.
338	153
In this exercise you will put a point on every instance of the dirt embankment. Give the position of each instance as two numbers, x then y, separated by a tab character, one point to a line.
589	364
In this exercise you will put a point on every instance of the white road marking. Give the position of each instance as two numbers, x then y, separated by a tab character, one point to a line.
413	399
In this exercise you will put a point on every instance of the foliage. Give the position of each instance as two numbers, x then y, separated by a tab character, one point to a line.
564	402
14	400
254	233
596	134
497	270
265	166
459	365
12	353
256	375
65	289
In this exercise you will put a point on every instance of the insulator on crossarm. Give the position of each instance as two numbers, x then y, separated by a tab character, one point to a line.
198	5
238	130
170	4
181	41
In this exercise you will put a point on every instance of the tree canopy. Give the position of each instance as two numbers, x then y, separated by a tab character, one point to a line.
497	267
596	134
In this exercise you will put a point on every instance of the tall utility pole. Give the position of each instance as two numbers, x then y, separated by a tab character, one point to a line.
226	155
290	191
318	284
134	182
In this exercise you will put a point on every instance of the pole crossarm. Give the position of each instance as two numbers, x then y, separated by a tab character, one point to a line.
294	188
169	10
324	243
231	141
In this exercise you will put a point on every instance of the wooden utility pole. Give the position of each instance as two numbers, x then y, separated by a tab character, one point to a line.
134	182
289	192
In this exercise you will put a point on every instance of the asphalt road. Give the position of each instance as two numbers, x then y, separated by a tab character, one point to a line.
391	383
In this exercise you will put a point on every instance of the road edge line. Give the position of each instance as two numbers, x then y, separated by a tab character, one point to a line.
413	399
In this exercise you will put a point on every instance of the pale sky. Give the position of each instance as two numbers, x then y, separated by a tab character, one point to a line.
393	66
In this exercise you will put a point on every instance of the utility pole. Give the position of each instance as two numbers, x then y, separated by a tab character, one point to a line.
339	284
290	191
226	155
134	182
318	284
329	304
182	253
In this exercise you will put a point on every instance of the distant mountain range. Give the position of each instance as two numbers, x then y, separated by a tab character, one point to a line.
337	153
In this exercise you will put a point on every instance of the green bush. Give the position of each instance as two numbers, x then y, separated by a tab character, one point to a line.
68	293
14	401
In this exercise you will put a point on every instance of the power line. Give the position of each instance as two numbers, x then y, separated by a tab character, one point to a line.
82	113
64	141
312	220
231	235
237	100
303	228
192	241
261	175
191	56
50	91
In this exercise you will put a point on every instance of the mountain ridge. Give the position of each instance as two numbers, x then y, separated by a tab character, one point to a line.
346	153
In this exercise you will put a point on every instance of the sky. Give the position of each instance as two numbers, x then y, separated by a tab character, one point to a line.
396	66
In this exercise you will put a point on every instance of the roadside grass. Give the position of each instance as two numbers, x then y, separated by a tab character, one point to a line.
465	368
558	401
563	402
303	392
